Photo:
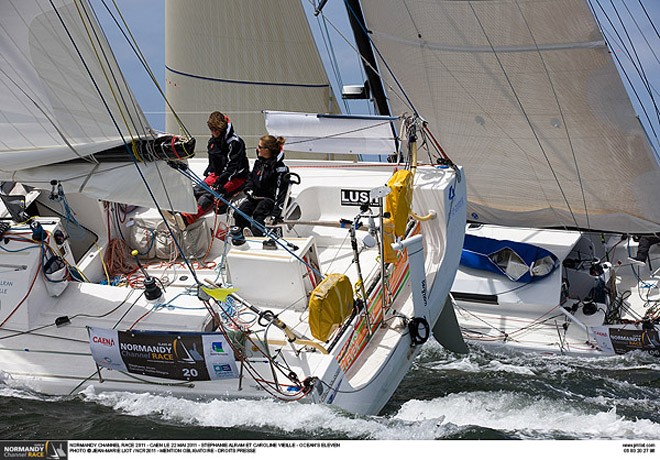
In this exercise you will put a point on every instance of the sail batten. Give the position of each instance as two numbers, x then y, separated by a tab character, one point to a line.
526	96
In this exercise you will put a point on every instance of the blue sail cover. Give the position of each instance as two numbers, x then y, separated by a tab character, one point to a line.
520	262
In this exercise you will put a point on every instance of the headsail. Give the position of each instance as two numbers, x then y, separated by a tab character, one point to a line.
526	96
65	99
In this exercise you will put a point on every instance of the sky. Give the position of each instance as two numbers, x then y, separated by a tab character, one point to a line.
146	19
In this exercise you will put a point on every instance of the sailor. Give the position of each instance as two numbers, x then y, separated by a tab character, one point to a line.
226	172
266	187
643	247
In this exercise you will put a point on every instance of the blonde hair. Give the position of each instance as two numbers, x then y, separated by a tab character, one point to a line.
272	143
218	121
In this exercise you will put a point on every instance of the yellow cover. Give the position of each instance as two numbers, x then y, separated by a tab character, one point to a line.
330	303
399	202
389	255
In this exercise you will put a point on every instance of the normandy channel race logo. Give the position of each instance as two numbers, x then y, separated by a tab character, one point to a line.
48	450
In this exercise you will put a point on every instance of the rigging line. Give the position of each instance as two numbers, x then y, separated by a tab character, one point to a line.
638	65
622	68
84	62
120	107
649	18
39	107
641	103
651	48
642	34
50	119
524	112
362	58
136	49
37	45
561	114
128	150
327	42
469	94
114	77
407	101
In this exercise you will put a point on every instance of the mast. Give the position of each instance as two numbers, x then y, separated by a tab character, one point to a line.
358	25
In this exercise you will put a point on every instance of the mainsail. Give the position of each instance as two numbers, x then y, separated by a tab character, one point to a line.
241	57
65	99
525	95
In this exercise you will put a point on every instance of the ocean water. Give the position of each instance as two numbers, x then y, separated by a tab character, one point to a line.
482	396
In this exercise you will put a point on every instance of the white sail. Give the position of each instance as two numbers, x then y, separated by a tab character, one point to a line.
64	98
340	134
241	57
526	96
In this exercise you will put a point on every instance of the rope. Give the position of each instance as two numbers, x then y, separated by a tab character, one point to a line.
117	258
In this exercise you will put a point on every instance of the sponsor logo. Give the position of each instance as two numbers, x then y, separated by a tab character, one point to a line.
222	370
456	206
424	293
160	352
49	450
356	198
217	347
103	341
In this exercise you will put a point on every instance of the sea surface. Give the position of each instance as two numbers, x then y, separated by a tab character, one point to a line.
444	397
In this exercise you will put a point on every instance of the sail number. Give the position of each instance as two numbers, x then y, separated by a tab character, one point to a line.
190	373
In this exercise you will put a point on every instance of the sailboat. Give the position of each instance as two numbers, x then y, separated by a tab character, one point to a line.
563	177
101	291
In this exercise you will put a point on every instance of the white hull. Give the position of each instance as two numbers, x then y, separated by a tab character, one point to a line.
37	354
549	315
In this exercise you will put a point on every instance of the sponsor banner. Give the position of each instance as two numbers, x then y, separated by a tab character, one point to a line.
49	450
602	336
103	343
220	362
169	355
621	341
350	197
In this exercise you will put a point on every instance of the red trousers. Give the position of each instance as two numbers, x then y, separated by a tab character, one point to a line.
205	199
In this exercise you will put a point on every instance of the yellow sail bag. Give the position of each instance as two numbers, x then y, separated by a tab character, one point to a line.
330	303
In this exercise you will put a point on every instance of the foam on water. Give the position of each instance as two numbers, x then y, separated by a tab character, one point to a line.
273	416
445	396
22	393
480	360
528	417
519	415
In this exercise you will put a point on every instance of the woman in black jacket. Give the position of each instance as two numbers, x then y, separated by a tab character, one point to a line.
266	186
227	171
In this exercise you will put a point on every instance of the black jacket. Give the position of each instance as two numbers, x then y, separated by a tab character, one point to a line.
269	179
227	158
